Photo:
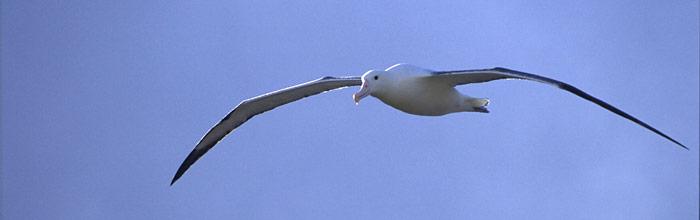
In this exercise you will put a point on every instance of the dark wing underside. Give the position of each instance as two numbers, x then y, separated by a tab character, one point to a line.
256	105
484	75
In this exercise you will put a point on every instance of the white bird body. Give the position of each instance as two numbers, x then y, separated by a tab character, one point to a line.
408	88
412	90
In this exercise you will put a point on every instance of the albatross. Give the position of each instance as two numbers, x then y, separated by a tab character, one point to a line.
410	89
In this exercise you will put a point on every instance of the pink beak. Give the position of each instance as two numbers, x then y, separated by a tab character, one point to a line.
364	92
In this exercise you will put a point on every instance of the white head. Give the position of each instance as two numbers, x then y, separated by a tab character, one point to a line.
378	82
372	82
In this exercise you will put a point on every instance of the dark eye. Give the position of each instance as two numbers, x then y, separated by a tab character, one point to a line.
376	77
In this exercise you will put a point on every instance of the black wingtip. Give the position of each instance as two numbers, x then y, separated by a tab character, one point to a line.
191	158
674	141
589	97
683	146
617	111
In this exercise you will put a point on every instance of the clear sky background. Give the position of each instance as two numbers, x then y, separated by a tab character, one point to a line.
102	100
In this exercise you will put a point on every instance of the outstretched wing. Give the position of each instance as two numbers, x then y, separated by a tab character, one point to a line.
259	104
484	75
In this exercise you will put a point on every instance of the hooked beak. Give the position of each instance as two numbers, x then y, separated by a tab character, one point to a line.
364	92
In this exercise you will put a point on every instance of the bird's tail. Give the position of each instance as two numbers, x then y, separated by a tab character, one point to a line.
478	105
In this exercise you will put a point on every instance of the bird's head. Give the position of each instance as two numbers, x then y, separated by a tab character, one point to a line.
372	81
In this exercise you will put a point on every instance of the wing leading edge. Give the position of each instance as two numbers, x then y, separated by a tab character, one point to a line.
259	104
461	77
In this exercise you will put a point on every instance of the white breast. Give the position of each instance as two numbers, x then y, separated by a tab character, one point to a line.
418	96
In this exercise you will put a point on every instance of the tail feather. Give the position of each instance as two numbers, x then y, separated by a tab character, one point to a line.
478	105
481	109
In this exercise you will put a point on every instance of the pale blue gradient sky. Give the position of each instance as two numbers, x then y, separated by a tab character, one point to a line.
102	100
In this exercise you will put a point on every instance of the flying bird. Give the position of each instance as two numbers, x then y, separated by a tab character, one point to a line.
408	88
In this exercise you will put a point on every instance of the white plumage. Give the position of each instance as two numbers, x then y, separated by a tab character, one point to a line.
408	88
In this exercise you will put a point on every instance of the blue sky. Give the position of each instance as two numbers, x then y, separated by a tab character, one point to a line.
102	100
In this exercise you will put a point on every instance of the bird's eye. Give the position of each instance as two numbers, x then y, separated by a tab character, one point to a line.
376	77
